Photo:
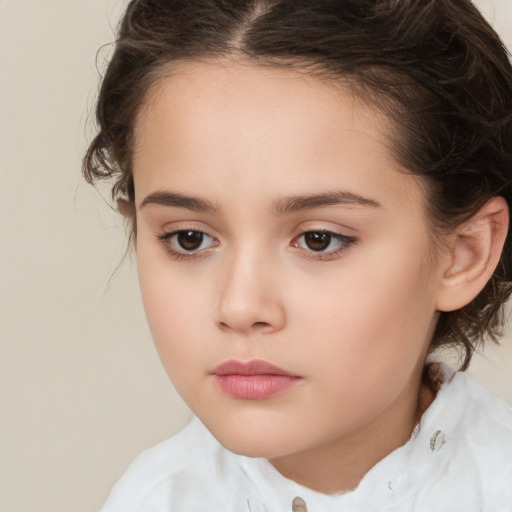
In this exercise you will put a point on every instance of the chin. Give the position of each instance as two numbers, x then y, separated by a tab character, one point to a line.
253	442
248	448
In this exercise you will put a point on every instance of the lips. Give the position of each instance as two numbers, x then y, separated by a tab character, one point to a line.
253	380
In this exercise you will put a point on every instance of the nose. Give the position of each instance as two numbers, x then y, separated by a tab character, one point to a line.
250	299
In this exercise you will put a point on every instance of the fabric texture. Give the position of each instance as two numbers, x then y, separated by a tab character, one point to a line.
459	458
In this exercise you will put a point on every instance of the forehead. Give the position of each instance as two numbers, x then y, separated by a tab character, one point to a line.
194	88
206	123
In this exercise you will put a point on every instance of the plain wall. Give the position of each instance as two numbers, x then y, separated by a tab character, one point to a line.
81	389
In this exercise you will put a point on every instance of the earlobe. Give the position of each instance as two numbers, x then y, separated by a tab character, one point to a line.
473	254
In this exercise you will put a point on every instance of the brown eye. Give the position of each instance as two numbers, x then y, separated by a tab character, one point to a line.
327	244
317	240
190	240
184	244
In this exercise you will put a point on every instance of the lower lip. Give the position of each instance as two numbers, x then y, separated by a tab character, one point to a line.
254	387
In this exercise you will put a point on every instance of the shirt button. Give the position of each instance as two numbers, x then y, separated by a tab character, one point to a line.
299	505
437	441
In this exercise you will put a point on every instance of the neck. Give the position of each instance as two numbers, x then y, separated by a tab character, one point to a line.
340	465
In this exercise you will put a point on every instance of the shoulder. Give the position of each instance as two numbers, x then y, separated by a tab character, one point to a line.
178	458
461	453
479	427
486	425
466	407
483	413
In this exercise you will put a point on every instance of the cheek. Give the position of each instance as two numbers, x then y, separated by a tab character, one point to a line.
374	315
174	319
173	305
371	334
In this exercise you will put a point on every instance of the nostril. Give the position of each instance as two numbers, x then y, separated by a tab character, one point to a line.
255	326
260	325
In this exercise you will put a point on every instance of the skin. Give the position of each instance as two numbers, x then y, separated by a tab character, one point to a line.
353	321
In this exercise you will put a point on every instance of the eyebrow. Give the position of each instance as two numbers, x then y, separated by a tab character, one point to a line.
280	207
332	198
175	200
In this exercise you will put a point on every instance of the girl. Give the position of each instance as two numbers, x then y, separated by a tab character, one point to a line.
319	195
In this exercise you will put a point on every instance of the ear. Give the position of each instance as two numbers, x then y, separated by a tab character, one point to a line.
473	253
126	209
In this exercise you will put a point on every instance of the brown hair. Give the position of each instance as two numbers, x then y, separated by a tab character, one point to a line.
435	67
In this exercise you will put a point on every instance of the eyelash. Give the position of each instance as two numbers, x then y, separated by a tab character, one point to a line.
345	242
166	239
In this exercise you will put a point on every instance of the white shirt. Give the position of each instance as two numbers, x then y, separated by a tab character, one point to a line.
459	459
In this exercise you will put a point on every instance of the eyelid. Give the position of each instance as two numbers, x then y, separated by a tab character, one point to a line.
337	233
346	242
332	226
165	239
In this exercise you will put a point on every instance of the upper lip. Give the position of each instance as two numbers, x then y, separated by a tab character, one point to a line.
253	367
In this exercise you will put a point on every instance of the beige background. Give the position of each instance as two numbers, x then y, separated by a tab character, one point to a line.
81	389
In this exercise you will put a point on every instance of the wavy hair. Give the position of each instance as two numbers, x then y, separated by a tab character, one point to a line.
435	67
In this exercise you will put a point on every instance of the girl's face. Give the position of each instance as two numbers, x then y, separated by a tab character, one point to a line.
284	259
